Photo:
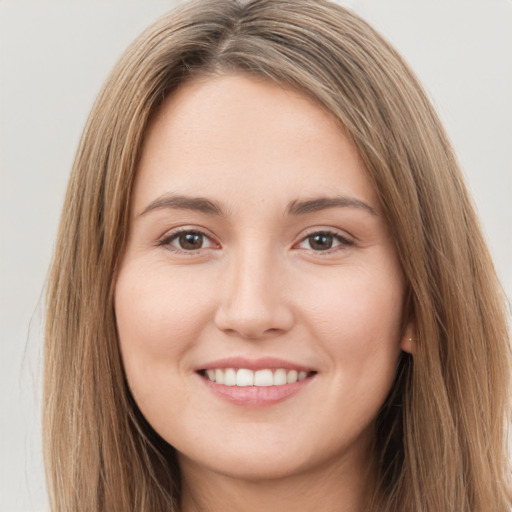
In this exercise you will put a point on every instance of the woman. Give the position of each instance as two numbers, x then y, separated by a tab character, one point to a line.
270	289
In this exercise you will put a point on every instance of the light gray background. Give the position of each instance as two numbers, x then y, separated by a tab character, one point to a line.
54	56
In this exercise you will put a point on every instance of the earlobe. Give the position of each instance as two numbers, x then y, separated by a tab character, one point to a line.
408	338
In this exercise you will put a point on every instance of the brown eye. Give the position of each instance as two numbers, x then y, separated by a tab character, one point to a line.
320	241
324	241
190	241
187	241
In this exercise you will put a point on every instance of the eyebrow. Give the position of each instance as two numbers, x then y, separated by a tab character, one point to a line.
322	203
296	207
198	204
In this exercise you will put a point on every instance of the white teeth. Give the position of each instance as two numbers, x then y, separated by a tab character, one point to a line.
291	376
263	378
244	377
279	377
230	377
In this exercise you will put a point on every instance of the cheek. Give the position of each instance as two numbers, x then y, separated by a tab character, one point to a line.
357	318
157	325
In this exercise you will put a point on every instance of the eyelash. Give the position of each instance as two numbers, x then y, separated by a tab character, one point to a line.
166	242
343	242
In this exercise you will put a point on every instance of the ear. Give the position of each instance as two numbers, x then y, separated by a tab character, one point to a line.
408	339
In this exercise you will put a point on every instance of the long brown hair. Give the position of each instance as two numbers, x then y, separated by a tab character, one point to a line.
441	435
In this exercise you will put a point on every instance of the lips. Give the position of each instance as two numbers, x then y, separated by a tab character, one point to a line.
258	382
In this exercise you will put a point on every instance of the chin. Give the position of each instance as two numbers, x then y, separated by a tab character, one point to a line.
276	457
248	468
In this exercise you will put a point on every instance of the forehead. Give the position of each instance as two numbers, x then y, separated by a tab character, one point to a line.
256	136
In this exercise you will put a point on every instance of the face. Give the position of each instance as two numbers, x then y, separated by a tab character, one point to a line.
259	300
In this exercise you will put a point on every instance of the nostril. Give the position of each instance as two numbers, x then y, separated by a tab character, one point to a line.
253	310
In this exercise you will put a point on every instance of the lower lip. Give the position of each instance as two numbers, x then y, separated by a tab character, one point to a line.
256	396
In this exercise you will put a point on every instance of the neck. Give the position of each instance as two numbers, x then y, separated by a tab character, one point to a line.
342	486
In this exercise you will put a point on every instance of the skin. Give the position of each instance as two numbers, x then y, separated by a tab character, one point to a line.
259	284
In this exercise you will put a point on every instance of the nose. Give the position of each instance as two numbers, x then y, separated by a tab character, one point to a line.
253	302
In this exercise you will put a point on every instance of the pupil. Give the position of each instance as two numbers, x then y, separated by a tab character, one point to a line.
191	241
321	242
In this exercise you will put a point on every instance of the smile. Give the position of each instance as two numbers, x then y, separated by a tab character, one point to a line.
244	377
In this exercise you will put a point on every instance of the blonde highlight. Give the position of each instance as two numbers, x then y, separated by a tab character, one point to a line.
441	443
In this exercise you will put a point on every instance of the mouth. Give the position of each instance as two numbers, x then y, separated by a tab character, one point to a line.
259	382
245	377
255	383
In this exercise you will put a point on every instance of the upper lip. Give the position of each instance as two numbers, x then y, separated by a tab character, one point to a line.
261	363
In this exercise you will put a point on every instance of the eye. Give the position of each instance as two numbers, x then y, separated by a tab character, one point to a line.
187	241
324	241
